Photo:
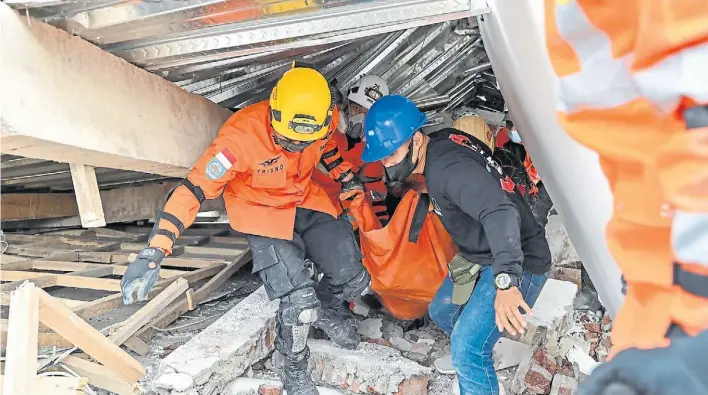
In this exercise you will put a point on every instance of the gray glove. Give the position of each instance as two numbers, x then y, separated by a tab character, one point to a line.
353	184
141	274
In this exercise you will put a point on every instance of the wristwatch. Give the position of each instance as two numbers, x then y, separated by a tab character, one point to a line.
504	281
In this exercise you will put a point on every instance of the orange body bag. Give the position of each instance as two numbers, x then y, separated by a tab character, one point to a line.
405	275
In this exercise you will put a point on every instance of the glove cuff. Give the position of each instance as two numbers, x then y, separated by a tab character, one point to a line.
152	254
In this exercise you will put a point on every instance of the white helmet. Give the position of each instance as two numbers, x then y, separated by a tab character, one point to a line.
368	90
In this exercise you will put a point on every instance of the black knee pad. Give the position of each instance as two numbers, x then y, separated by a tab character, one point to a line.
357	286
299	307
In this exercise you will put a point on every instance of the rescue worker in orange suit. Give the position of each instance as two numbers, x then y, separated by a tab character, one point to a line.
262	161
350	143
633	87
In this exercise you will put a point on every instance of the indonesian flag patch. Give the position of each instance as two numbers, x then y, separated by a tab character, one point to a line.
220	164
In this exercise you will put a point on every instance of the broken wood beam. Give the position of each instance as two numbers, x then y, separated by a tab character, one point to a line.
114	301
88	198
69	325
100	376
149	311
21	354
181	306
26	206
59	385
142	122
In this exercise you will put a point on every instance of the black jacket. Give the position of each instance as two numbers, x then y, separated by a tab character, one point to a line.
490	225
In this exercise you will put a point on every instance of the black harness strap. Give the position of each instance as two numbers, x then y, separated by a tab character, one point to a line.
333	165
172	219
690	282
196	190
421	210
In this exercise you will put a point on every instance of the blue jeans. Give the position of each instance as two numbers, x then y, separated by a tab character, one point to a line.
472	330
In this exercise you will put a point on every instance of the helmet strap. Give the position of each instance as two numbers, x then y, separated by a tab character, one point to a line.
399	172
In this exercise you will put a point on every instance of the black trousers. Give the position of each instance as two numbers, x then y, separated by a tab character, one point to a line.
327	241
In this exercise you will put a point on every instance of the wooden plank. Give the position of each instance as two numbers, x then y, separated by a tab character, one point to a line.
69	325
44	339
60	385
101	284
137	346
22	206
216	281
191	301
21	355
24	264
13	275
190	263
226	252
112	302
78	266
176	250
154	307
119	205
71	303
8	259
180	306
101	377
164	273
41	282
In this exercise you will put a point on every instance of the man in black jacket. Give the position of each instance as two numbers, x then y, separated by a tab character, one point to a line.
503	256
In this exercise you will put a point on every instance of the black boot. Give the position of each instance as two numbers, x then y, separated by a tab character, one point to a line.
295	378
335	318
338	324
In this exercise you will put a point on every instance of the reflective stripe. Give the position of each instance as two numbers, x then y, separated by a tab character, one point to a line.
682	74
689	237
602	82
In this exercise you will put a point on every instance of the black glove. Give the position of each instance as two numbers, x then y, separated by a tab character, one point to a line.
141	274
353	184
677	369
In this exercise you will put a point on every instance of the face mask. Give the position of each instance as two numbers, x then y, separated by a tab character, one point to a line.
290	145
396	174
514	136
355	126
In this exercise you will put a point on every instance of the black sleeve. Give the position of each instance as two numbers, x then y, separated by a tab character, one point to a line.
478	193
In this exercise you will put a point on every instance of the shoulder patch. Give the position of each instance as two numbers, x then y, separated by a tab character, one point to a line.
464	141
220	164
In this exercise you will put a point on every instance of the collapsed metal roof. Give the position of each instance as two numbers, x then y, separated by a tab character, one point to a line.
233	51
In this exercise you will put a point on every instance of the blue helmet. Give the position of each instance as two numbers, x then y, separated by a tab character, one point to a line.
391	121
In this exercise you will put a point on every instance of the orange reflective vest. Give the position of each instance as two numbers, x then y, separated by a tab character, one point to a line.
628	73
374	172
262	184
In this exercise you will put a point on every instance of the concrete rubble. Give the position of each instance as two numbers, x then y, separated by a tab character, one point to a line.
221	352
564	350
371	368
234	355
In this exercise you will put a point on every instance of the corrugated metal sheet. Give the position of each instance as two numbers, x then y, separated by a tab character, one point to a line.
233	51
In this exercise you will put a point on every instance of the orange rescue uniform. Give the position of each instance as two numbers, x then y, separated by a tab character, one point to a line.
375	188
262	184
631	75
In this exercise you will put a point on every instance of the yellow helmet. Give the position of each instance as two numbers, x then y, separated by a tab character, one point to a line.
477	127
301	105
